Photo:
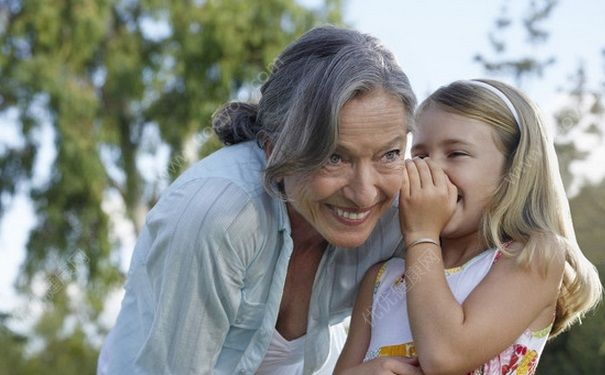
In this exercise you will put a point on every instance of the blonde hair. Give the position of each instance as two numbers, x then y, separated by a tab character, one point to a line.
530	205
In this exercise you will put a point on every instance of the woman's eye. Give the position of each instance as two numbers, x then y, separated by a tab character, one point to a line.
334	159
421	156
392	155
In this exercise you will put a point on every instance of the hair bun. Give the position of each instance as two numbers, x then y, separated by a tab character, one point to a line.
236	122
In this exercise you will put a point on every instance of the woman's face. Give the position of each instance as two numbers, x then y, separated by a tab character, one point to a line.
343	200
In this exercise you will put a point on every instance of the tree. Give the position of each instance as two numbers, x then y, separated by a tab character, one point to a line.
523	67
118	81
12	345
582	349
582	117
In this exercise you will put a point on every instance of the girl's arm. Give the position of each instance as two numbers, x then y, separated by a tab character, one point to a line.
358	339
452	337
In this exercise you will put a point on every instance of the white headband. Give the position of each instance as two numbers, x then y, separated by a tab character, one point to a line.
502	96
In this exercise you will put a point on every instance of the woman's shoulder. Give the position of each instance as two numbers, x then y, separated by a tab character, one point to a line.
241	164
199	199
210	209
223	187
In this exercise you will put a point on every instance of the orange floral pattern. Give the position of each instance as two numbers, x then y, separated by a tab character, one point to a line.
515	360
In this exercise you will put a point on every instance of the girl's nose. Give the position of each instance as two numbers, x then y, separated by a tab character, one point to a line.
439	162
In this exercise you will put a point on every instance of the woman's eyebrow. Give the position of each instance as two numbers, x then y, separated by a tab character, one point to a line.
396	142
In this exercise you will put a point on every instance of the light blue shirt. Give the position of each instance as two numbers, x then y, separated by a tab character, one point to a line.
208	271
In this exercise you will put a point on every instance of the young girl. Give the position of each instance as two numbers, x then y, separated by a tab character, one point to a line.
492	267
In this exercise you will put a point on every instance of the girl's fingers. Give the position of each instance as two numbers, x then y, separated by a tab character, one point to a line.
401	366
442	181
452	190
413	175
426	179
405	183
439	177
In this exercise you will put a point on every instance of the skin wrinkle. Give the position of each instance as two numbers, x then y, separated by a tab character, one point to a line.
363	175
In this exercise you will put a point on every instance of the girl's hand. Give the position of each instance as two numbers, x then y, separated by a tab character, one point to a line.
427	199
386	366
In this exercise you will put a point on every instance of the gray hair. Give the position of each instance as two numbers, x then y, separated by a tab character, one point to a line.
298	113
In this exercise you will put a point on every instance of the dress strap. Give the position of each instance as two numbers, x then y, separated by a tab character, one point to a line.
497	256
498	253
379	277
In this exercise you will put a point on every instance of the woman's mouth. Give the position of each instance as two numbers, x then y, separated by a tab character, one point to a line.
350	216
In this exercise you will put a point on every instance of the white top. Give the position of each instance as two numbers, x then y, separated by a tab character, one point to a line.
391	333
286	357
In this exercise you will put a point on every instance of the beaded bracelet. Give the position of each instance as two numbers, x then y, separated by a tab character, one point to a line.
422	240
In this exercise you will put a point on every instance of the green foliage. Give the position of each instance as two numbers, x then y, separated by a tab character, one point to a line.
588	211
66	350
524	67
104	74
583	104
581	350
12	345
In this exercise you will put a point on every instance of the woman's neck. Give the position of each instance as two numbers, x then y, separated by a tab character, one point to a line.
304	236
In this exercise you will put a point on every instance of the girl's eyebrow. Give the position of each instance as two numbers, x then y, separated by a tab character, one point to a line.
455	142
446	142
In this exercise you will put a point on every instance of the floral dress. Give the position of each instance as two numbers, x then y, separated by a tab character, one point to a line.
392	336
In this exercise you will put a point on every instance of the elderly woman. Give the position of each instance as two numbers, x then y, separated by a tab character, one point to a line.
253	256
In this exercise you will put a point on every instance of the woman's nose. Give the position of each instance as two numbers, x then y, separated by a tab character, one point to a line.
362	186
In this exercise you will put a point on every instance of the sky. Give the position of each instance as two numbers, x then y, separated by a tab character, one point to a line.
435	42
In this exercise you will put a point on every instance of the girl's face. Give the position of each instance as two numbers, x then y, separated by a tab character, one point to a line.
467	152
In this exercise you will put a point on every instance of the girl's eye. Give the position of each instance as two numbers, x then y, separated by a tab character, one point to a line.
392	155
334	159
421	156
457	153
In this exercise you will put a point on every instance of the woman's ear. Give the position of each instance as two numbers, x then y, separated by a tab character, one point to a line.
268	149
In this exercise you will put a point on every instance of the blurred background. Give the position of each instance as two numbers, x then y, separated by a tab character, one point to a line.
104	102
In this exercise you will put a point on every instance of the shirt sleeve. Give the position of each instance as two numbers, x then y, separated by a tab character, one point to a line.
203	236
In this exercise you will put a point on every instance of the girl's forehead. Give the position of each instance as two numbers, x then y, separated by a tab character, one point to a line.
435	125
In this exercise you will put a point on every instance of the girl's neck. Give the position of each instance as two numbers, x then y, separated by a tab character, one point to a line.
458	251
